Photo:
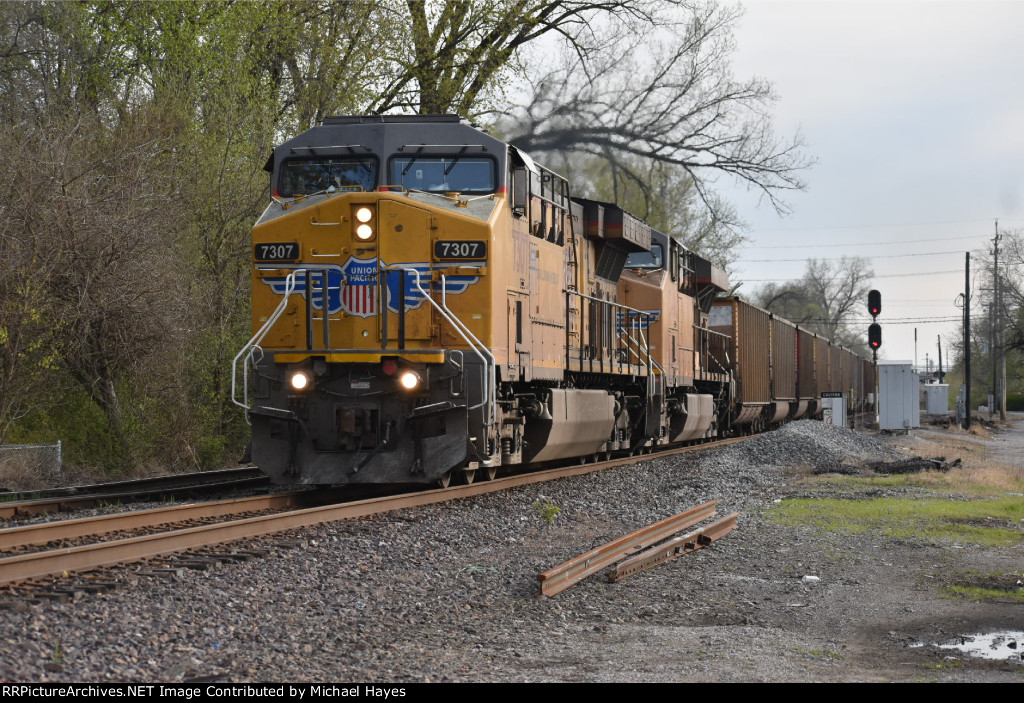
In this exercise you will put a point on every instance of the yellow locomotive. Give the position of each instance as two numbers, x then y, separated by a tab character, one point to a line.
431	304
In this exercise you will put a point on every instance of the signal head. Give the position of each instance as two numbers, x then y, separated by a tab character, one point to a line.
874	303
874	336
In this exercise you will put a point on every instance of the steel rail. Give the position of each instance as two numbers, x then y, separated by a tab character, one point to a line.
42	533
556	580
168	481
675	547
83	558
39	506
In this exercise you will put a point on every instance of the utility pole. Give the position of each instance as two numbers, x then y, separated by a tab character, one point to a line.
967	341
999	358
994	333
940	358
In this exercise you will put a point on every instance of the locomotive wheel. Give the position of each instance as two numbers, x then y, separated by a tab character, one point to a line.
445	480
467	476
489	472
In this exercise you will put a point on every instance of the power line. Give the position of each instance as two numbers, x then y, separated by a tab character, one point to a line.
861	244
884	275
827	258
876	226
881	321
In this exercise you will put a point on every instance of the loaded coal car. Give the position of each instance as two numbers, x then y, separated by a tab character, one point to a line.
779	371
808	395
431	304
750	407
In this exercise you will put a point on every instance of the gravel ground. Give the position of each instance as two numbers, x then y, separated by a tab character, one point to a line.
447	593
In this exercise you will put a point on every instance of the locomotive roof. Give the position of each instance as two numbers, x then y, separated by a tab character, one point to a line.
384	135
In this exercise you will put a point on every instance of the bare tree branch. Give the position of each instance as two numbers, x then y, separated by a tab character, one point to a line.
825	299
666	93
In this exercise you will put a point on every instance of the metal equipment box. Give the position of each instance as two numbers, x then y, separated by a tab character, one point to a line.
936	396
833	408
899	407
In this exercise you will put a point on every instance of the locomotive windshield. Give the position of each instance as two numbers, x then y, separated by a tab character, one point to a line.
305	176
652	259
441	174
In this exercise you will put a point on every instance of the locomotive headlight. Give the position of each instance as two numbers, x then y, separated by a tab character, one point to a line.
364	232
299	381
409	380
364	214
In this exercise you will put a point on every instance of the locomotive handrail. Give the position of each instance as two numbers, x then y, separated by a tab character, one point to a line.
607	302
467	335
642	348
709	336
489	367
254	343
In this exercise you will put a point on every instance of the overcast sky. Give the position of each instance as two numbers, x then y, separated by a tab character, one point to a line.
914	111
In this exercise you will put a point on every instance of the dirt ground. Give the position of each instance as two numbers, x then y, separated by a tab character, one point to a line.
446	593
776	603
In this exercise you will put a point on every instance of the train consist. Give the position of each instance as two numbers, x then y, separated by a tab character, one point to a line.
430	304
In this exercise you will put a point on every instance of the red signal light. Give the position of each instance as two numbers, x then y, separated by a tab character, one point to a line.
874	303
874	336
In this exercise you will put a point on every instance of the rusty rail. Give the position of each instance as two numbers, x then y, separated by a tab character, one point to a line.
41	533
675	547
561	577
86	557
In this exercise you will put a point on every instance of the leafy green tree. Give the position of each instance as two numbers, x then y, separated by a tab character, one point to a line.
460	56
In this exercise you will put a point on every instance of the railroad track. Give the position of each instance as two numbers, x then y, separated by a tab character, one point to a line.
55	500
157	533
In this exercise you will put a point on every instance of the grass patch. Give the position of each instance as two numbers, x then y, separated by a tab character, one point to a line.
985	522
984	594
975	482
987	586
945	664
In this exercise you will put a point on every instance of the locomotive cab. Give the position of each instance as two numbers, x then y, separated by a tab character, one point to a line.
372	307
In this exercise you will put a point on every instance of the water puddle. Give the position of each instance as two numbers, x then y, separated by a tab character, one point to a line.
1007	645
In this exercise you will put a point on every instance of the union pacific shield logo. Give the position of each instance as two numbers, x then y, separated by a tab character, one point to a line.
353	287
359	287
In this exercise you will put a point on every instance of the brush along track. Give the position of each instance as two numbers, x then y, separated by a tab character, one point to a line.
169	537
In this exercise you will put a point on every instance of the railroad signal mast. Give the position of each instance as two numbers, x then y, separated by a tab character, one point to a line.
875	338
874	330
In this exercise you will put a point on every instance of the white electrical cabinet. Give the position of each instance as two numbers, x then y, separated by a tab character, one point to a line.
899	406
936	396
